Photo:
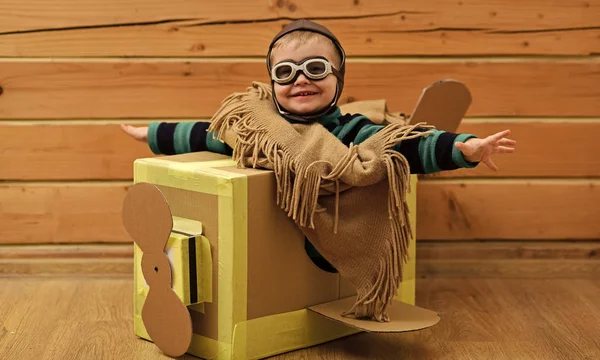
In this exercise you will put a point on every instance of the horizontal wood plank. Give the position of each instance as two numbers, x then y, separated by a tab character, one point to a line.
519	209
88	151
244	28
64	89
446	210
62	213
101	151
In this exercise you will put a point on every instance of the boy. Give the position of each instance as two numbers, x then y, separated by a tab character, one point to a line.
306	64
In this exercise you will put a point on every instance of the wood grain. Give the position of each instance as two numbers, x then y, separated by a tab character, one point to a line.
511	209
78	89
89	151
446	210
62	213
245	28
74	317
101	151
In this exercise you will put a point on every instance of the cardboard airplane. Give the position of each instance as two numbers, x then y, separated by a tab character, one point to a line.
148	219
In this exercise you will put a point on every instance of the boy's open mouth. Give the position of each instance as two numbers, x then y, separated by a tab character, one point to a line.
305	93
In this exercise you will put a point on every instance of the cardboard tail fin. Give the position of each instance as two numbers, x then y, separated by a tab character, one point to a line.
443	104
147	218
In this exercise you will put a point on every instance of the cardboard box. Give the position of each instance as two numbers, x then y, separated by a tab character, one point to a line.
258	282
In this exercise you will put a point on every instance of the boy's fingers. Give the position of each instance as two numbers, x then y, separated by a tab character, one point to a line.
490	164
127	128
508	142
499	135
505	149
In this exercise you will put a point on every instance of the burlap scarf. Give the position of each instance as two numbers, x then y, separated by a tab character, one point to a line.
335	193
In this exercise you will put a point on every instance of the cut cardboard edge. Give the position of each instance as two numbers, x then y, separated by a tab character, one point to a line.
403	317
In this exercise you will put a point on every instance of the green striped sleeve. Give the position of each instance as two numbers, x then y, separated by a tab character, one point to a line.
181	138
427	152
152	138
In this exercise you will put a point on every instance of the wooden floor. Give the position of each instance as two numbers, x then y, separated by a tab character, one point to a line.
91	318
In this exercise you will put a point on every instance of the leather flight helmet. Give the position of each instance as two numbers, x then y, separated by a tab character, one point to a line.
307	25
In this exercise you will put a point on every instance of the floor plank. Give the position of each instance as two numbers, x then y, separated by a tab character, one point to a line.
91	318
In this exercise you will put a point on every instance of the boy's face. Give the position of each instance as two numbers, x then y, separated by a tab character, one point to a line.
304	95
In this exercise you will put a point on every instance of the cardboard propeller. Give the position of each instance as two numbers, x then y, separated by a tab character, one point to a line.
147	218
442	104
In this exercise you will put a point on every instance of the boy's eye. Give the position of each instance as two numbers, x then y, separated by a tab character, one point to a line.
283	72
316	68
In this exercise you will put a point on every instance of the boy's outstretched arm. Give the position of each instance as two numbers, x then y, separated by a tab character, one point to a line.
177	138
445	150
436	152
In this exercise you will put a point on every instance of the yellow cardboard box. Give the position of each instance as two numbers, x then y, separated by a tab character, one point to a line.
254	282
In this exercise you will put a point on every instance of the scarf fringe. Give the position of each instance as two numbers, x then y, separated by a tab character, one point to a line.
298	187
372	301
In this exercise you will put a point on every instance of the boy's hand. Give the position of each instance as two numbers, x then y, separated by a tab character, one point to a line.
480	150
140	133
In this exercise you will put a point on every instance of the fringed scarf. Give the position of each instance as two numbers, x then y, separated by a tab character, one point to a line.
335	193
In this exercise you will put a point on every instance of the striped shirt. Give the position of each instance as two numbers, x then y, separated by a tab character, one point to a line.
425	155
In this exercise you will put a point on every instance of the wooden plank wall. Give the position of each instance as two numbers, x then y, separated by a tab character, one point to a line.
71	71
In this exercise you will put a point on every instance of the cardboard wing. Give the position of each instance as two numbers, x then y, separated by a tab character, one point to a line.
403	317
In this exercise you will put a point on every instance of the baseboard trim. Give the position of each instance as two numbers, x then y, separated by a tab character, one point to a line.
59	259
509	259
435	259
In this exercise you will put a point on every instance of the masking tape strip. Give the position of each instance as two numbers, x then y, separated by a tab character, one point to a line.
192	176
270	335
209	349
204	258
407	287
233	258
177	254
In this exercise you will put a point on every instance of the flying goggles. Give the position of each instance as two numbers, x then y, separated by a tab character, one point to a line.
314	68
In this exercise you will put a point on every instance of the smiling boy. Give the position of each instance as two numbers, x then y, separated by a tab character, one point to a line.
306	65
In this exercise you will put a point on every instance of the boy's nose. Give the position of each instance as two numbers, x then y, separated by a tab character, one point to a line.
301	79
